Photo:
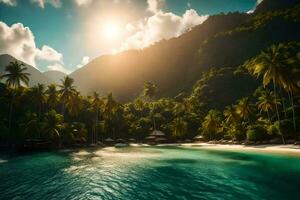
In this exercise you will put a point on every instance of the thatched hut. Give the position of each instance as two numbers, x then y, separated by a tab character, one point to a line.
156	137
198	138
109	141
157	133
132	140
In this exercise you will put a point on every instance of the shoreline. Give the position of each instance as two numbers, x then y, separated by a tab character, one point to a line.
288	149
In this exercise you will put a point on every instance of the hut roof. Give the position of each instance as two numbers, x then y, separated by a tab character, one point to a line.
198	137
120	140
109	140
150	137
157	133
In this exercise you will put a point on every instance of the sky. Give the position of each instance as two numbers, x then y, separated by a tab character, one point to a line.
65	35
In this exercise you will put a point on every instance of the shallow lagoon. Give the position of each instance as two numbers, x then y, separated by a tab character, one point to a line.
150	173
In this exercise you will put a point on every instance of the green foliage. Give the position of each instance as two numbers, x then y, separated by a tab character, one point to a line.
225	102
256	133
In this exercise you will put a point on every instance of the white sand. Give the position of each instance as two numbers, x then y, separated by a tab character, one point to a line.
268	148
289	149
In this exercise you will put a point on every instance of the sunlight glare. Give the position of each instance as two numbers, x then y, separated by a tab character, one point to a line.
111	30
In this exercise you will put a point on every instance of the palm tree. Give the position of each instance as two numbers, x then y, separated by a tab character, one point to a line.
74	105
291	87
15	76
31	125
53	124
96	104
230	114
37	94
66	91
178	127
271	65
110	107
211	123
266	102
244	108
52	96
149	92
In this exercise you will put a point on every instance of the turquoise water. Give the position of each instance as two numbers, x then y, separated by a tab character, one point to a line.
149	173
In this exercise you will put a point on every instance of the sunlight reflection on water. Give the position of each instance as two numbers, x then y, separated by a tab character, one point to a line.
149	173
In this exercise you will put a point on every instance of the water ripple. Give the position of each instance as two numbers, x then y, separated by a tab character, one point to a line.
149	173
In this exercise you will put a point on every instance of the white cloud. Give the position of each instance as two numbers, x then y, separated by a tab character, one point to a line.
130	28
85	60
9	2
161	26
41	3
58	67
155	6
49	54
19	42
83	2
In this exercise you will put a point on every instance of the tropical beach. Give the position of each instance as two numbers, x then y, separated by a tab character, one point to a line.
150	99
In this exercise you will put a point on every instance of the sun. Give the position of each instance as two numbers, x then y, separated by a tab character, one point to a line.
111	30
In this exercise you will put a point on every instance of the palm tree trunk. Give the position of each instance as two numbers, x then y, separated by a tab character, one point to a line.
275	94
277	112
96	126
290	94
154	125
10	112
268	115
284	108
10	115
63	110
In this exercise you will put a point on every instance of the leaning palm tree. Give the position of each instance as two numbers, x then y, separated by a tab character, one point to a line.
38	97
266	103
270	65
67	91
244	108
291	87
15	76
231	115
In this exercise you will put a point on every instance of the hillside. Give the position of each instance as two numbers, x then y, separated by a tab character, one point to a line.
35	75
165	63
55	76
225	40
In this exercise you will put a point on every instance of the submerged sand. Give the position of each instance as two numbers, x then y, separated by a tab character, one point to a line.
288	149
